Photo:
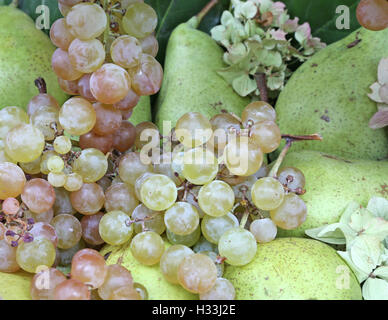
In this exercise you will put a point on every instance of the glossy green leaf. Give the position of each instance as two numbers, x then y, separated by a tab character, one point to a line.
322	16
375	289
171	13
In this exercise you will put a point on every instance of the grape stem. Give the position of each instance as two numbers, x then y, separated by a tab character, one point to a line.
289	140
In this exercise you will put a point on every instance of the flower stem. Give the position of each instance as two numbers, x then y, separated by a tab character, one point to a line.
261	81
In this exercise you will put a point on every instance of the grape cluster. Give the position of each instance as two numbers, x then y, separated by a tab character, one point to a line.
204	188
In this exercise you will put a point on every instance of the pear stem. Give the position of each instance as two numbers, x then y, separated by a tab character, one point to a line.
14	3
41	85
206	10
289	140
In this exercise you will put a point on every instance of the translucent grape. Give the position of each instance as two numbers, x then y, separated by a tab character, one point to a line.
214	227
60	35
187	240
70	87
147	247
126	51
117	276
204	245
12	180
4	157
8	261
121	197
57	180
108	119
43	160
131	167
10	117
86	56
113	228
68	230
93	140
220	266
86	21
62	144
63	68
140	20
32	255
38	195
238	246
266	134
197	273
46	119
63	8
62	203
292	178
55	164
151	220
170	261
257	111
89	199
89	267
182	218
164	167
200	166
150	45
71	290
373	14
224	126
125	293
90	229
91	165
77	116
44	230
147	77
42	99
222	290
10	206
267	193
242	157
44	282
193	129
110	83
41	217
291	213
158	192
146	132
124	137
84	88
129	102
216	198
264	230
64	256
73	182
24	143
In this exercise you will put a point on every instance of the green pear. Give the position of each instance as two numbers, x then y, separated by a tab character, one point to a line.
328	95
15	286
25	55
331	183
294	269
149	276
142	111
191	82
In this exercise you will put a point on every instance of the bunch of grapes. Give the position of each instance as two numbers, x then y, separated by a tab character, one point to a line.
373	14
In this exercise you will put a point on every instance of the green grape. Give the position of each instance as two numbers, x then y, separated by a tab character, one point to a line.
62	144
266	134
12	180
86	21
182	218
24	143
242	157
291	213
113	228
147	247
32	167
193	129
32	255
68	230
121	197
91	165
267	193
214	227
177	164
171	259
200	166
74	182
264	230
222	290
214	256
139	182
10	117
62	203
55	164
3	155
140	20
257	111
292	178
204	245
77	116
187	240
158	192
46	119
164	166
216	198
131	167
238	246
43	160
152	220
57	180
